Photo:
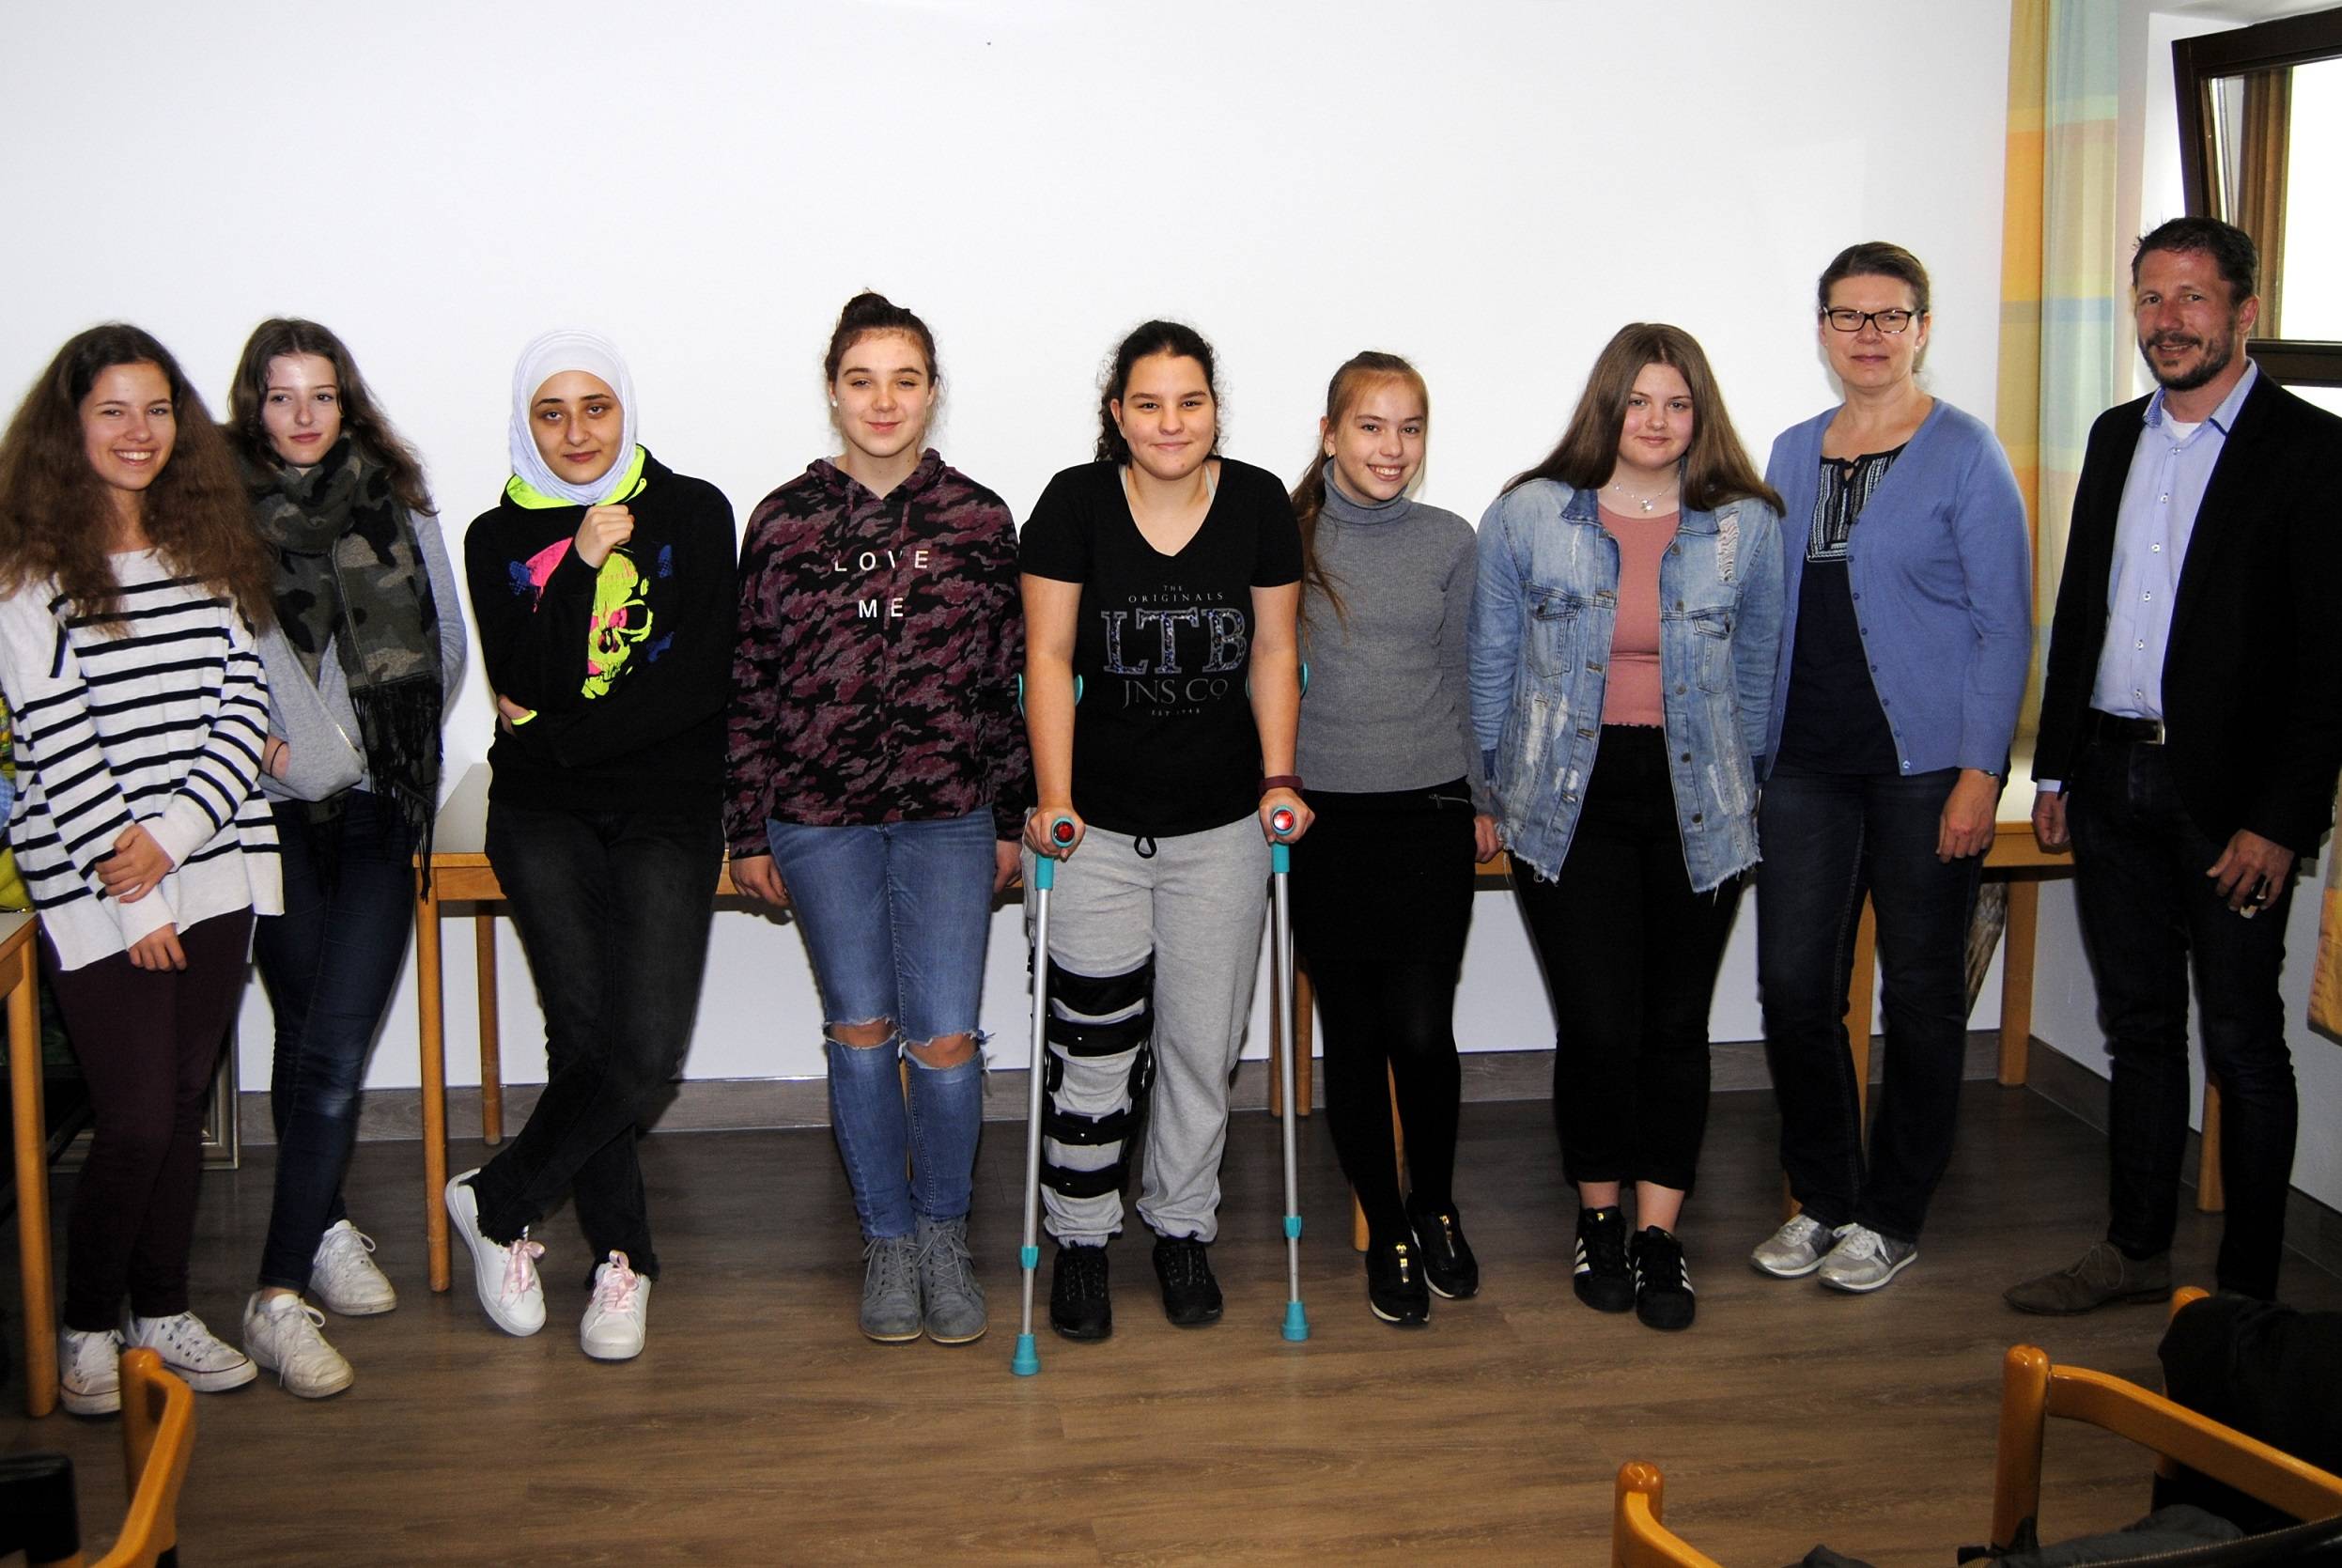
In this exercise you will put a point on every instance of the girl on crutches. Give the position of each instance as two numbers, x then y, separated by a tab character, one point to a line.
1167	578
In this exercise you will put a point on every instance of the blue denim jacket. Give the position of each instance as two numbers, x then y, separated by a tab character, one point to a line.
1539	649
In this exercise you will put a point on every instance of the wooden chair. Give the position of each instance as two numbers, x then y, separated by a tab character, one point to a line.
158	1441
1638	1539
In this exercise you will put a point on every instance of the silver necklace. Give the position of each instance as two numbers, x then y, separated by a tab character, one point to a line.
1648	504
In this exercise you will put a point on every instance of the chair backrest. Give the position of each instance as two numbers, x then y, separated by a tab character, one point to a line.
2032	1390
158	1441
1638	1539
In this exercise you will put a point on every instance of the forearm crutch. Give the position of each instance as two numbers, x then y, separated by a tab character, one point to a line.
1286	1027
1028	1357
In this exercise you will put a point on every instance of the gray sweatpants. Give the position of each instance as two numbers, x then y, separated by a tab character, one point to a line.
1196	905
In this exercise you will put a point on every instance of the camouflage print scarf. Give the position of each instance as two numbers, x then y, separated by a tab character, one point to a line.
351	576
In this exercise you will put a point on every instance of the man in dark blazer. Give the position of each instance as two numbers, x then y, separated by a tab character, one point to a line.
2190	732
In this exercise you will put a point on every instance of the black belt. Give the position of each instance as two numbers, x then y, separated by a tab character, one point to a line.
2115	729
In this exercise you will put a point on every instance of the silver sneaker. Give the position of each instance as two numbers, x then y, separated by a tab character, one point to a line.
1795	1250
954	1301
891	1290
89	1371
343	1276
197	1355
282	1335
1864	1261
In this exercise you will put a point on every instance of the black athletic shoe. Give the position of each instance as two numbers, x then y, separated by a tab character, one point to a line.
1395	1288
1079	1307
1448	1266
1603	1280
1663	1287
1190	1294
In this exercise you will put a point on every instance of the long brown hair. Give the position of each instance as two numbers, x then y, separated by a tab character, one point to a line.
56	516
1356	377
1716	469
362	417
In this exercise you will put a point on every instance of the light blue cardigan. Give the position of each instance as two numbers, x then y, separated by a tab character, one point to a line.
1941	568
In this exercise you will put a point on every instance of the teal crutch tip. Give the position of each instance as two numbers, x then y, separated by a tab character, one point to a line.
1028	1360
1029	1257
1292	1227
1297	1322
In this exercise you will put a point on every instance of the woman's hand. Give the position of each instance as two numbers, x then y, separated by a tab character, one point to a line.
158	949
759	877
275	756
1487	839
1042	818
1967	825
605	528
1302	815
510	715
135	867
1007	862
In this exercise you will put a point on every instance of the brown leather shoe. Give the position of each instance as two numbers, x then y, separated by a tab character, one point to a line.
2104	1276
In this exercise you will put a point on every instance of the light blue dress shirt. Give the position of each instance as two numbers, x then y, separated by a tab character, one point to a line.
2169	470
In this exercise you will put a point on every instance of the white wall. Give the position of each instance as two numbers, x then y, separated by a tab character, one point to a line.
1491	186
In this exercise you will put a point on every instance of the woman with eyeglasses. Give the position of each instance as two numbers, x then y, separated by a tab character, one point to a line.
1903	655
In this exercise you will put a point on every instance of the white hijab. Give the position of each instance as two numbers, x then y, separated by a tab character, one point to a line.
548	356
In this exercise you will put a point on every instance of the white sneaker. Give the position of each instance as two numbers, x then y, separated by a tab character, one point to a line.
504	1278
281	1334
89	1371
197	1356
343	1276
617	1314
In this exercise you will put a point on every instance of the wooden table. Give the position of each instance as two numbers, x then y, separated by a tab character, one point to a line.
19	965
459	875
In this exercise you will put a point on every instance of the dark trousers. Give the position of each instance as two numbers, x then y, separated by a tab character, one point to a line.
1630	954
1829	839
329	962
2146	909
613	909
149	1041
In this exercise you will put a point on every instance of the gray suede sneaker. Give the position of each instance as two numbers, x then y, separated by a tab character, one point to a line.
1795	1250
891	1289
947	1281
2102	1277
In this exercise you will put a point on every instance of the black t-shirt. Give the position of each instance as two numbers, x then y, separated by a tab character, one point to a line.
1832	722
1164	742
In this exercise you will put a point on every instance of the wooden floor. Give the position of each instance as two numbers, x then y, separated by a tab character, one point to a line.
760	1427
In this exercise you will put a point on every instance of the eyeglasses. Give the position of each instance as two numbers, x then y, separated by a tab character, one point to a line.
1889	321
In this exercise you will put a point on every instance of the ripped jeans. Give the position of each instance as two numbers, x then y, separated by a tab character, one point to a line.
895	916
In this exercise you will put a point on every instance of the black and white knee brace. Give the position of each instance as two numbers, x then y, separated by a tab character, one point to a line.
1092	1017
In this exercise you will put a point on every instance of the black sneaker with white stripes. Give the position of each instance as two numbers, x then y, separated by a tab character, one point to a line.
1601	1279
1663	1287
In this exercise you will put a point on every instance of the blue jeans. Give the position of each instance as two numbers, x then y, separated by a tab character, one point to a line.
612	908
1828	839
2146	909
329	962
895	916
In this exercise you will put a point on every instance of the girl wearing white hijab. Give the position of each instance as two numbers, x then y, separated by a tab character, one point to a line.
602	586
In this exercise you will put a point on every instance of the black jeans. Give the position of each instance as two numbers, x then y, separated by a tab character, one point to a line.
329	962
613	909
1828	839
2146	909
1630	954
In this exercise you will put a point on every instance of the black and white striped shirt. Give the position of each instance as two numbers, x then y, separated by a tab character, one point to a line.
160	723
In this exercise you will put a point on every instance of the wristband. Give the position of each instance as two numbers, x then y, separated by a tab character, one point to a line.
1282	781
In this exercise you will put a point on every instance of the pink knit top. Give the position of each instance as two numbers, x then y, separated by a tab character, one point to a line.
1634	693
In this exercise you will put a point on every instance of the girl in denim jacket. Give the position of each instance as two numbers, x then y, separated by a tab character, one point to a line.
1622	653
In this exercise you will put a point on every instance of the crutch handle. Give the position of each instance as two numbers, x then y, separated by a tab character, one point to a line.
1283	822
1062	831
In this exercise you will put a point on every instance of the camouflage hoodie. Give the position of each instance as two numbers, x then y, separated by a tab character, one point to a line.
880	641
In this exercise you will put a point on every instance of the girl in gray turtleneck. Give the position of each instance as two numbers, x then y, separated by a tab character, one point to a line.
1382	886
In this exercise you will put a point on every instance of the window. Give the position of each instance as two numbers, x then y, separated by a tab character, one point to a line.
2261	146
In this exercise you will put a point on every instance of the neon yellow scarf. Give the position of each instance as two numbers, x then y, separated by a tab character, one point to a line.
628	484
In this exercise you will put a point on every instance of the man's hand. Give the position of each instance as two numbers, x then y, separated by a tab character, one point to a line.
2048	819
2251	872
1966	828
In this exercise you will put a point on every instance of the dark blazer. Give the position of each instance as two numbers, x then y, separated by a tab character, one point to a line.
2252	673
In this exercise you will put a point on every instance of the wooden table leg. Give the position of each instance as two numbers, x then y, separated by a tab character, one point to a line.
2016	979
2210	1198
1304	1034
1398	1151
1858	995
430	1005
31	1141
491	1060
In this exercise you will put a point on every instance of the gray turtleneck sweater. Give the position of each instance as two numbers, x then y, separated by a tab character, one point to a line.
1388	708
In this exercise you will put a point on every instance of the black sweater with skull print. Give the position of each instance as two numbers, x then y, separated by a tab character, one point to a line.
625	670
